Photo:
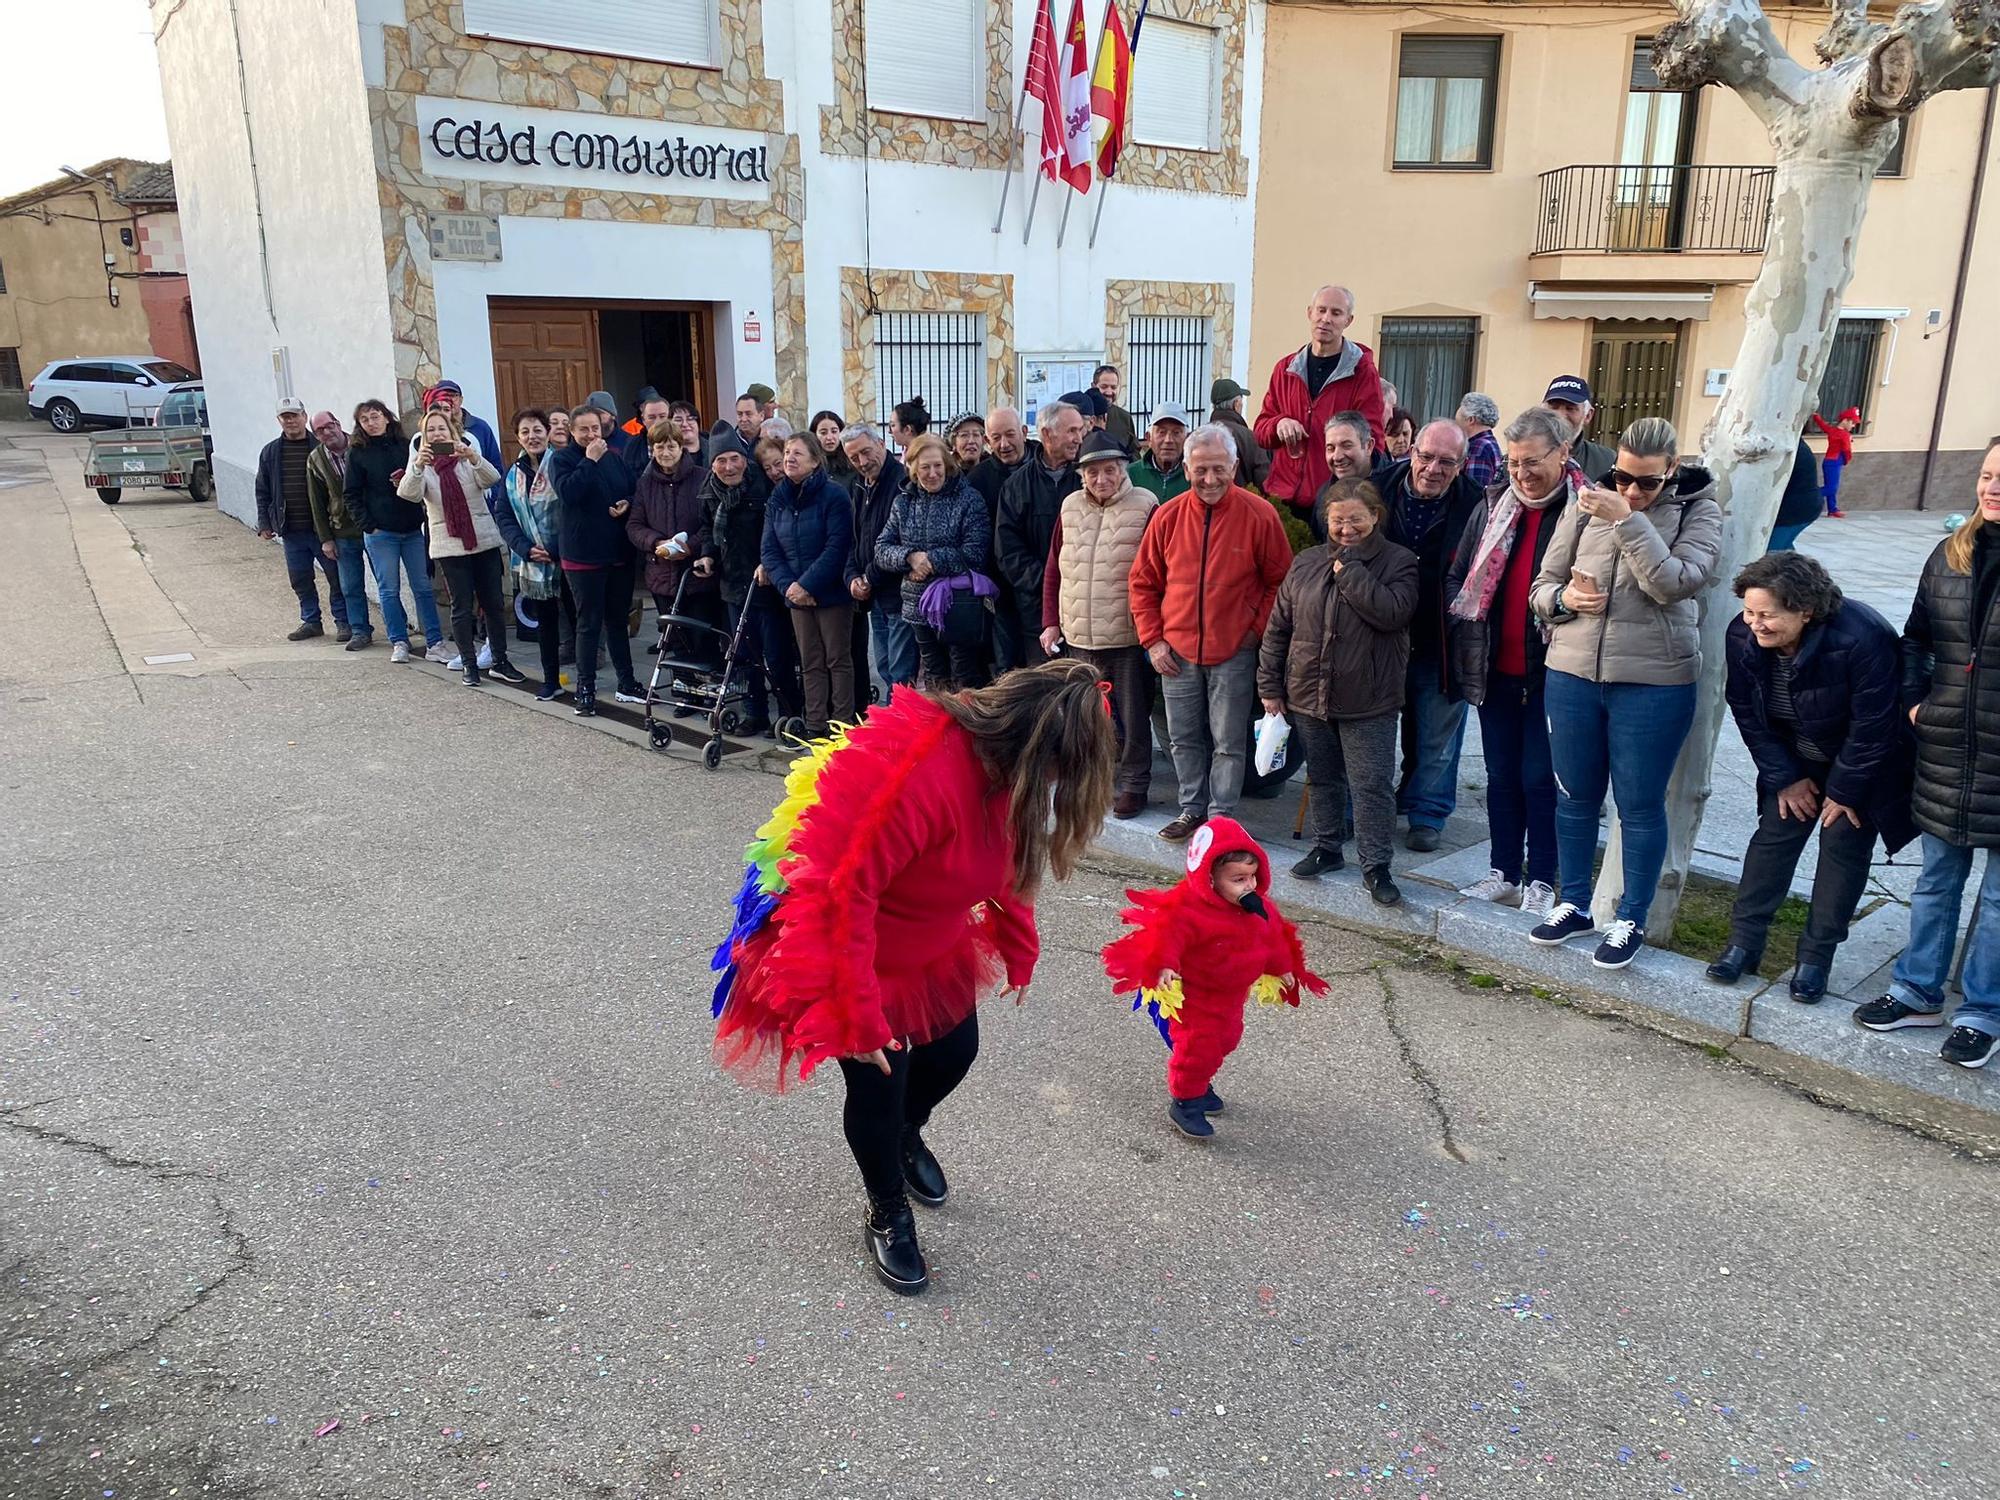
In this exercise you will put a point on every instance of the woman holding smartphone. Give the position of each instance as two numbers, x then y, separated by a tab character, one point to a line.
450	475
1618	591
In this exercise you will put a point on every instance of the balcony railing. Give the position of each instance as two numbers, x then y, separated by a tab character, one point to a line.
1654	210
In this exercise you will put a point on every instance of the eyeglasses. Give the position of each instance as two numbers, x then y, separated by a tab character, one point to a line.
1645	484
1525	465
1449	460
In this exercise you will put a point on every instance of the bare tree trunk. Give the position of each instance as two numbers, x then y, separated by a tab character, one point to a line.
1830	130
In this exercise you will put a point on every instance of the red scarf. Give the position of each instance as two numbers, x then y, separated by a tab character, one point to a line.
457	514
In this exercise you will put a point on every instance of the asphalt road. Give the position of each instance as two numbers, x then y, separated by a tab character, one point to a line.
361	1140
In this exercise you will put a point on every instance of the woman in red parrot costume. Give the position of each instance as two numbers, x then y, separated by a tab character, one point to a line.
893	888
1199	952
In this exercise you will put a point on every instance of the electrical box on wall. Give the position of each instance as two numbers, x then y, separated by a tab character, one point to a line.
1716	383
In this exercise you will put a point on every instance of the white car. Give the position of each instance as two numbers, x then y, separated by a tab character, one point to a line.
116	390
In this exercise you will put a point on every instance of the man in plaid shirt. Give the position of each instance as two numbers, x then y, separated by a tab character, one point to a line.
1478	415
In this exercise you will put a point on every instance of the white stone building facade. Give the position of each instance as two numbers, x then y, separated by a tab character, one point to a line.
542	197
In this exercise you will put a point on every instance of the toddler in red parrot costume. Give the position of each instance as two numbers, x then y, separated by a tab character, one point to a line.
1198	952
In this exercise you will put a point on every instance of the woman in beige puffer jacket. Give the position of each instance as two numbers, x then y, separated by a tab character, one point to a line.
1619	592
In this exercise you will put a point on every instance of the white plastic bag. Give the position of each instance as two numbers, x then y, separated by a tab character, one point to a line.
1274	732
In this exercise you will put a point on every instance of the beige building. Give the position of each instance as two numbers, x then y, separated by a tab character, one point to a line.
91	265
1513	196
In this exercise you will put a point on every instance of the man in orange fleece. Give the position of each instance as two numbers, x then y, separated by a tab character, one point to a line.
1207	572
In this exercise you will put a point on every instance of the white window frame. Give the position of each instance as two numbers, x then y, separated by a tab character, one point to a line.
562	30
1212	126
975	104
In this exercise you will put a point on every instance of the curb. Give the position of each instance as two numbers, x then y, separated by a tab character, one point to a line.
1895	1076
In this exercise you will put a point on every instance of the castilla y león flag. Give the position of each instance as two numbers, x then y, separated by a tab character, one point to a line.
1075	70
1111	89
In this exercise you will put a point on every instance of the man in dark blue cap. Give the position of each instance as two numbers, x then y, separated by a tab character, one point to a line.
1570	396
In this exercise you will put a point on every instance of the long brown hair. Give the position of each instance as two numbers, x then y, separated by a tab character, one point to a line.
1041	731
1958	546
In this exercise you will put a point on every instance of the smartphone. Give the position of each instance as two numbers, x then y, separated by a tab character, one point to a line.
1583	580
441	450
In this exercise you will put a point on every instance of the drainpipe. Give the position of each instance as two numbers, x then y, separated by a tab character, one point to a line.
1958	295
250	144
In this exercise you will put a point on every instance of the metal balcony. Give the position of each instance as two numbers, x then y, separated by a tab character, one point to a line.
1668	210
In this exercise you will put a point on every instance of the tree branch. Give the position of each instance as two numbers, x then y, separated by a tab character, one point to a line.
1729	42
1931	48
1849	32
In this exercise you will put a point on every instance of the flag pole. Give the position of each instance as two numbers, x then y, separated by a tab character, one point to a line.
1098	217
1132	61
1063	227
1028	226
1007	183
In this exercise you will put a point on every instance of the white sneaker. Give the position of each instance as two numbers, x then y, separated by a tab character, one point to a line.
1538	897
1495	887
624	697
440	653
456	664
399	652
485	655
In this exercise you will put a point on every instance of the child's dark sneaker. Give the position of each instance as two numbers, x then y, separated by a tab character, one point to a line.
1188	1118
921	1173
1563	922
1968	1047
1211	1103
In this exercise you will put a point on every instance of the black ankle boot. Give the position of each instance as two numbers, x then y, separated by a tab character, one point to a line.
921	1173
890	1232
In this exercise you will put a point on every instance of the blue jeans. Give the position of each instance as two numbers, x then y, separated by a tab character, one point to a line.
1433	733
354	584
895	644
392	554
1624	736
1784	538
1829	483
1520	779
302	554
1925	966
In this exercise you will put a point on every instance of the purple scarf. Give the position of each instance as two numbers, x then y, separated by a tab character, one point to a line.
935	606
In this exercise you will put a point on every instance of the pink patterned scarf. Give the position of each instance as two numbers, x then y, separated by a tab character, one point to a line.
1475	596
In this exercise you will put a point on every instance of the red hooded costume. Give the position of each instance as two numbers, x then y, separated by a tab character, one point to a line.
1218	950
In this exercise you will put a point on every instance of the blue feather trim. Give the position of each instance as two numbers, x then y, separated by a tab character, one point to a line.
753	909
1152	1009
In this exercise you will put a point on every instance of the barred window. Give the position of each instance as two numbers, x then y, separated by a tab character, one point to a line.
1171	360
1429	362
940	356
10	370
1850	369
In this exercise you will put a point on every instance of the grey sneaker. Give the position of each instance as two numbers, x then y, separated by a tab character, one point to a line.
400	652
1494	887
1538	897
439	653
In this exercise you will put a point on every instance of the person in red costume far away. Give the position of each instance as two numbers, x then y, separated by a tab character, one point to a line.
1198	952
890	891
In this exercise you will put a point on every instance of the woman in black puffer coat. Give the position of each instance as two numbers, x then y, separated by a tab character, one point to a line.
937	528
1951	679
1815	682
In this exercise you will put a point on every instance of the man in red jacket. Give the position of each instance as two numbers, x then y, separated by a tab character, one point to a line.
1202	587
1330	374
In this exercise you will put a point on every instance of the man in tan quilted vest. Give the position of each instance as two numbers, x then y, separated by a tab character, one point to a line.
1086	594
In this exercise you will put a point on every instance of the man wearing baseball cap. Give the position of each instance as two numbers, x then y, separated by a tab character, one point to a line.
1159	468
1570	396
1225	408
284	511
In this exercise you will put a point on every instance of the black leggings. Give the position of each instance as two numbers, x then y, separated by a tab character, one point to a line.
548	617
881	1105
476	576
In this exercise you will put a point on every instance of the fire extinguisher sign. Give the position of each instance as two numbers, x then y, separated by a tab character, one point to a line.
753	331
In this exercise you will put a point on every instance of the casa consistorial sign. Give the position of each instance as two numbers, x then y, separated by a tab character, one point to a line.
469	138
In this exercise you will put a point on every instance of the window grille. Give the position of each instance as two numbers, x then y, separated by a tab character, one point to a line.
940	356
1429	362
1850	369
1168	359
10	370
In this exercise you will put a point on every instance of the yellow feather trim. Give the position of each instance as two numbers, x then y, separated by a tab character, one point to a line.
1269	990
1168	997
801	792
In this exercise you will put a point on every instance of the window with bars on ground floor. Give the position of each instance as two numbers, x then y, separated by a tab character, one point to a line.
1168	359
1429	362
10	370
1850	370
940	356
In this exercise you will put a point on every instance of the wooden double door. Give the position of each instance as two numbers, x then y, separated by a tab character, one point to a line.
555	353
1634	373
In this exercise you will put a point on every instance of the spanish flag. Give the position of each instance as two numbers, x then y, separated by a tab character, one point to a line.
1111	88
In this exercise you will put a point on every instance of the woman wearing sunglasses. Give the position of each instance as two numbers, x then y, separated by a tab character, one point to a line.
1618	591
